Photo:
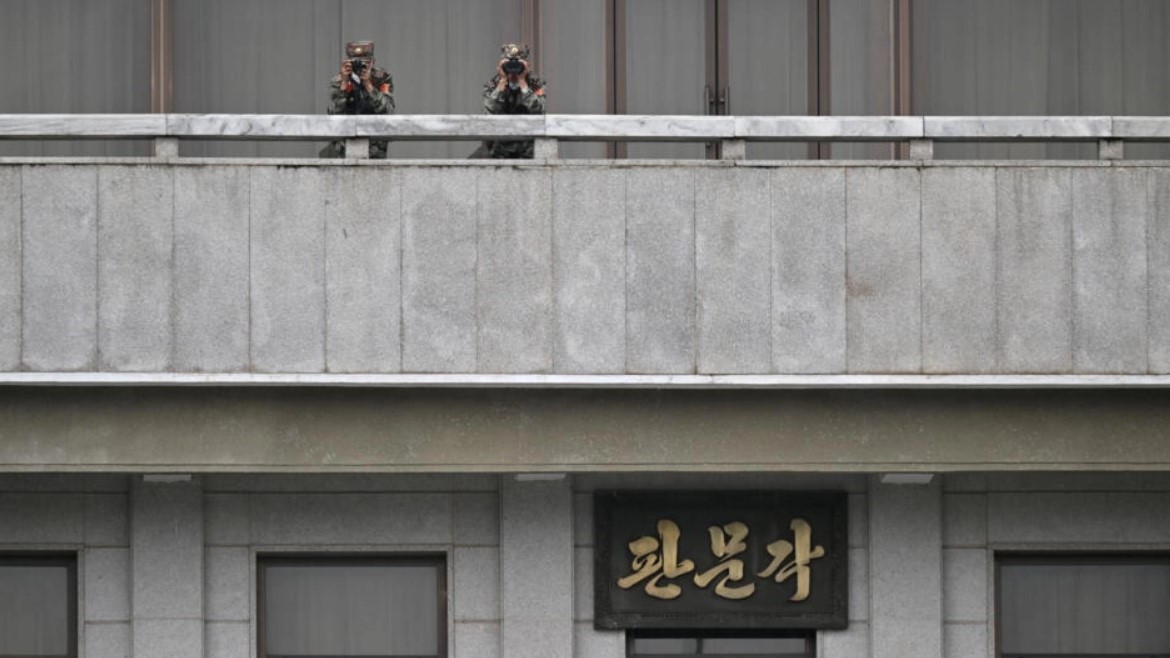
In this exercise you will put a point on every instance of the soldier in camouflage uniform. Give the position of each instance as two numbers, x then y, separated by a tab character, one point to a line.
513	90
360	88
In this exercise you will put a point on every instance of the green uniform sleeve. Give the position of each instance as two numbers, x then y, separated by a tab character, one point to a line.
381	103
336	97
532	102
493	101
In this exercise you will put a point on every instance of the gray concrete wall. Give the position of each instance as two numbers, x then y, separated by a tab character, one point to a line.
305	267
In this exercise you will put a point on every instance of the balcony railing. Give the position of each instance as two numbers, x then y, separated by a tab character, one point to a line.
921	132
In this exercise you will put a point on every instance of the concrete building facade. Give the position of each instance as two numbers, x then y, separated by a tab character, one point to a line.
274	405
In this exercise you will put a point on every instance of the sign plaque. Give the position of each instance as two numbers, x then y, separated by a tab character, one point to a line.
710	560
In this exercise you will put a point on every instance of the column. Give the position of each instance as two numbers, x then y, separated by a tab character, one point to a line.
536	567
905	565
166	545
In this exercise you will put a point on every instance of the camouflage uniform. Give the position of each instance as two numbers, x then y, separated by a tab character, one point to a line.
378	101
513	101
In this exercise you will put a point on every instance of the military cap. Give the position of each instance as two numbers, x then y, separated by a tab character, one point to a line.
515	50
363	49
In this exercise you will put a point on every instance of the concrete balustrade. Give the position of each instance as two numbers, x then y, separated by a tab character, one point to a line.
921	131
568	273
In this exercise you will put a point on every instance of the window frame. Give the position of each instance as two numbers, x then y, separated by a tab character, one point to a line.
324	559
67	559
643	633
1063	558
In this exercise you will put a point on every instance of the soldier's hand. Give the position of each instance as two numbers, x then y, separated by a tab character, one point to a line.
501	77
367	82
522	77
346	68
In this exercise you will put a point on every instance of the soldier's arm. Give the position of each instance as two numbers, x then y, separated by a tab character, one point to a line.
381	102
493	100
533	100
337	97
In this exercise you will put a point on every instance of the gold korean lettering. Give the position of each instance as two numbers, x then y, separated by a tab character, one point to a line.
726	543
801	552
650	561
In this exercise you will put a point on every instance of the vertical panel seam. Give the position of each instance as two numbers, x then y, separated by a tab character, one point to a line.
550	352
325	264
1150	207
626	266
554	298
20	251
845	284
97	271
401	272
251	365
696	326
996	284
174	310
475	276
1070	240
921	248
772	367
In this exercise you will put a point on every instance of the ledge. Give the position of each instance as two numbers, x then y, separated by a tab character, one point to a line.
581	127
844	128
1018	128
589	381
1142	128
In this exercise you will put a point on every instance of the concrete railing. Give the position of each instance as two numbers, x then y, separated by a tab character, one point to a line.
1110	132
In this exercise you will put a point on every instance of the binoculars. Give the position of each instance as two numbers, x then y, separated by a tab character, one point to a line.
513	66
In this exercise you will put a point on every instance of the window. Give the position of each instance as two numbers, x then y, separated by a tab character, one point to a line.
1041	57
38	605
352	606
1088	606
728	644
74	56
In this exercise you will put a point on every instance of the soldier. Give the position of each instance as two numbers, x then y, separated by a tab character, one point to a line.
513	90
360	88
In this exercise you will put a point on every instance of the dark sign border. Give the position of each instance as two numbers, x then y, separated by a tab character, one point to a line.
605	503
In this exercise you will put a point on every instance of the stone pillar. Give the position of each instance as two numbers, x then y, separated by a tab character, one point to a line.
536	568
905	567
166	546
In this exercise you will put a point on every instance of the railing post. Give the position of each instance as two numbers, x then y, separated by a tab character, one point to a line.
1111	149
922	149
733	149
546	148
357	148
166	148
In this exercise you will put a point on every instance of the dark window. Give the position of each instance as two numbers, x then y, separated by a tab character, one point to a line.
1041	57
352	606
1088	606
38	605
728	644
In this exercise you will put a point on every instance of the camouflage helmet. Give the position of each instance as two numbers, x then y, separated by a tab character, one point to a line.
515	51
362	49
